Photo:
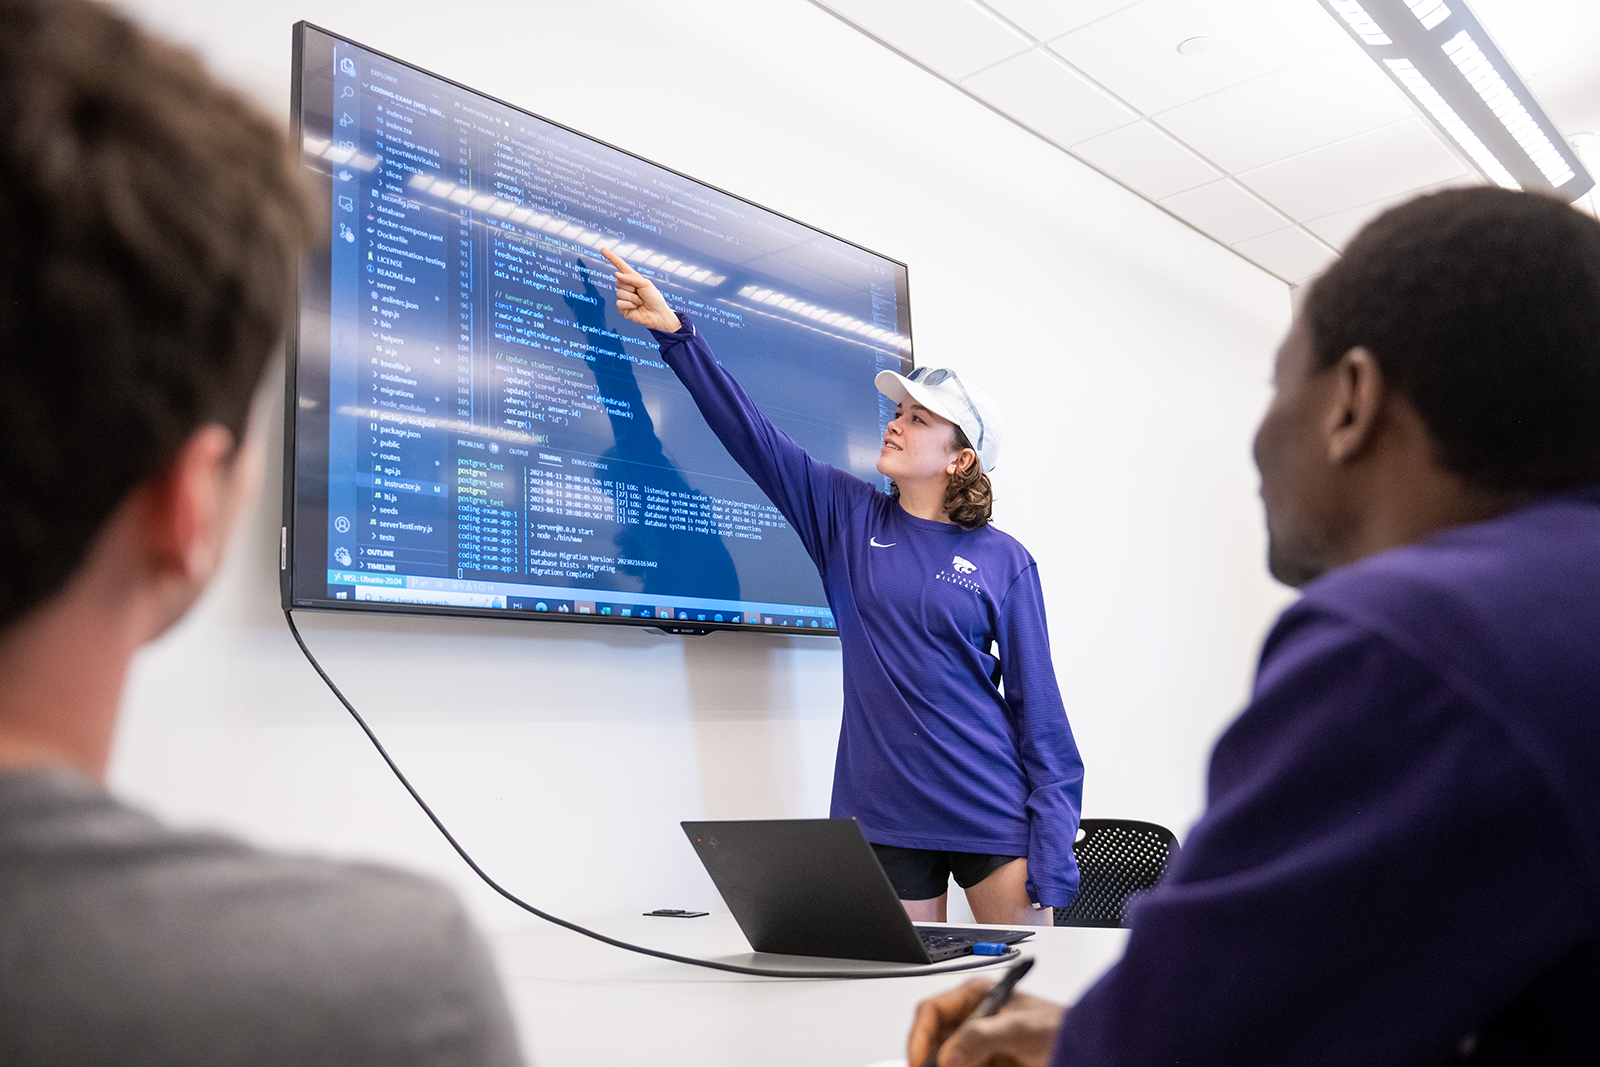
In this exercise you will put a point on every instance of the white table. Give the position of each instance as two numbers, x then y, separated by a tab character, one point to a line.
581	1003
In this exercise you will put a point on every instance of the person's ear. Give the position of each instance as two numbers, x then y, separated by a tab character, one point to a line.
963	461
1356	405
190	508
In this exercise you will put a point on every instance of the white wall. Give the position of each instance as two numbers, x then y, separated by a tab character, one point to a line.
1130	353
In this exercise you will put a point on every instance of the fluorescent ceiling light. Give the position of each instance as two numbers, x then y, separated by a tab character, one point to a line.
1360	23
1502	100
1441	56
1429	12
1406	73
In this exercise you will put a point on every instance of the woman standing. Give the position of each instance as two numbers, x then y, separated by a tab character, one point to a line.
945	772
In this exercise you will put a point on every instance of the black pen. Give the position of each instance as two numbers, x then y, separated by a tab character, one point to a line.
992	1001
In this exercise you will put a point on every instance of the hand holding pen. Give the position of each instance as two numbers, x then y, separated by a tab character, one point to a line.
978	1024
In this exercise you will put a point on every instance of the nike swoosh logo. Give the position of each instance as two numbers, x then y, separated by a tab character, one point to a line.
875	544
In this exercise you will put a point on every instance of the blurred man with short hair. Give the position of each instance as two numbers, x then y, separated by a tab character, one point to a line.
150	223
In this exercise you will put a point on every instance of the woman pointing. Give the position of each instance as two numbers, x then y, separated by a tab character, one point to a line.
955	756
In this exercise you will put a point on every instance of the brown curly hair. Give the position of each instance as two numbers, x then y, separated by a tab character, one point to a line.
969	498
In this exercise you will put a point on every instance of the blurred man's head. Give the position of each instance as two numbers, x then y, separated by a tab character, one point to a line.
1445	367
149	226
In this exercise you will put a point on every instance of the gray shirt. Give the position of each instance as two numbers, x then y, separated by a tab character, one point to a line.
124	942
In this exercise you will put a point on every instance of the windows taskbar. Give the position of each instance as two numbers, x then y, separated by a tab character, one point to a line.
465	593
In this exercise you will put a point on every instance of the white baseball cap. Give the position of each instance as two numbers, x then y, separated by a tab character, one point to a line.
941	392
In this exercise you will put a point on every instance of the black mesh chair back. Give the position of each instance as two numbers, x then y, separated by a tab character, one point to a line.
1116	859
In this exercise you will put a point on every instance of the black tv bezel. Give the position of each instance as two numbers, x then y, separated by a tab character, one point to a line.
286	544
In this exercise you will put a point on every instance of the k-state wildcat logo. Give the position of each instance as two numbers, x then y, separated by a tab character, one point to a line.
961	572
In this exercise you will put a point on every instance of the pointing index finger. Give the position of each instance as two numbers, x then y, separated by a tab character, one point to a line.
616	260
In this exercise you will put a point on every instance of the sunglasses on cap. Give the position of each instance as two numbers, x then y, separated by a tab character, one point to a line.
935	376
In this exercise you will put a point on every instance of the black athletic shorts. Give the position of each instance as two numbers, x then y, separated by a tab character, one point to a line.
924	873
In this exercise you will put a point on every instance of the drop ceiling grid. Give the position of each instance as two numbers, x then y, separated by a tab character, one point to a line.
1192	152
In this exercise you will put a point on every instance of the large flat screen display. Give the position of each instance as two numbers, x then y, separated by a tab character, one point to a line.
474	429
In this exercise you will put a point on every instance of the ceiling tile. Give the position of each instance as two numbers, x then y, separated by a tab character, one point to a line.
1225	211
1358	170
1311	138
1146	160
1291	254
1051	18
1338	228
1305	105
1570	95
953	37
1539	34
1588	149
1134	53
1044	94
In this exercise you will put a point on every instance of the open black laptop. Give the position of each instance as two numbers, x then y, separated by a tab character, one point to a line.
814	887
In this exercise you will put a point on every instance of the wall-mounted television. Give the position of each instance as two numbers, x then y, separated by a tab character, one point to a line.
473	429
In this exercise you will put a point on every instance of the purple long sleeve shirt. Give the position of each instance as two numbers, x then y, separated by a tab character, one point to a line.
932	619
1400	859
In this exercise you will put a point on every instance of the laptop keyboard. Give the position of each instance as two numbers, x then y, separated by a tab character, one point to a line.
946	942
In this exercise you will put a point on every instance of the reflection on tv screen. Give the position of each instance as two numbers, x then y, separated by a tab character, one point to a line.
474	427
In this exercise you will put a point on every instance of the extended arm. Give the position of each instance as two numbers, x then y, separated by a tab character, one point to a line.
810	494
